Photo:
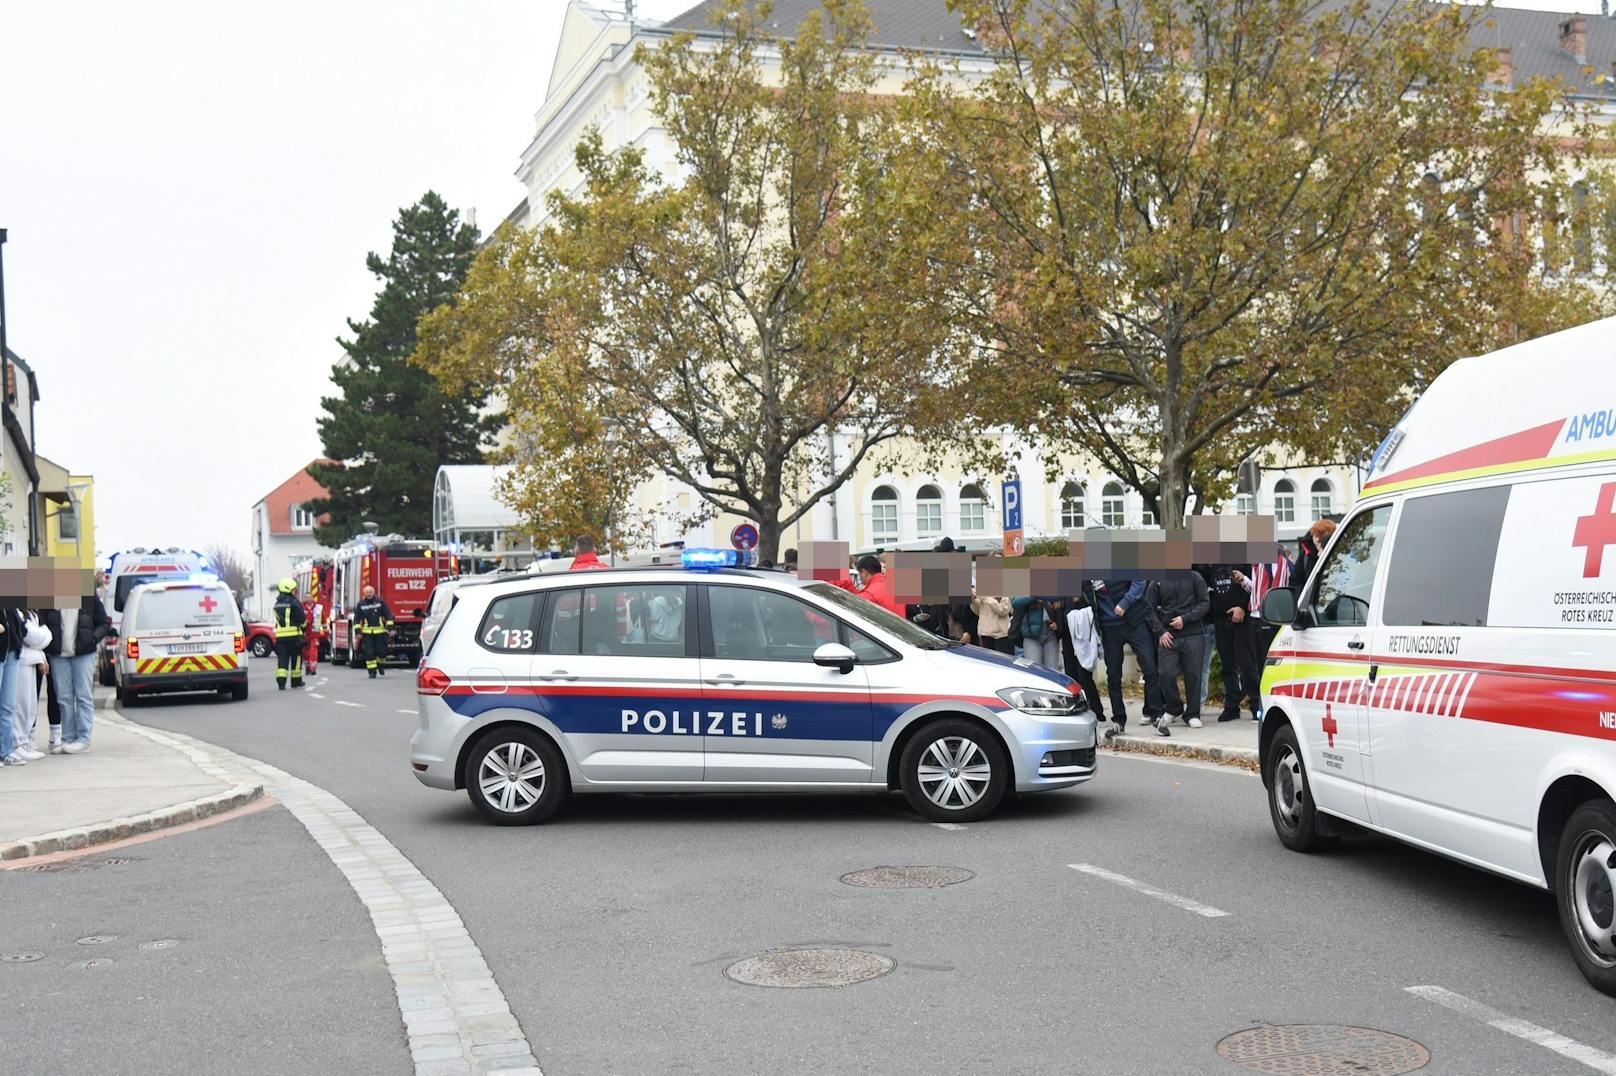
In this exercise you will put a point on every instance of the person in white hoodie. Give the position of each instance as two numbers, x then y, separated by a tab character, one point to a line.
1083	652
25	715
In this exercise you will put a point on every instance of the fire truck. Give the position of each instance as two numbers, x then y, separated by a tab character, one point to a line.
404	572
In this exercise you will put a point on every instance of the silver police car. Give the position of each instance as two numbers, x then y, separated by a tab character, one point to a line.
709	678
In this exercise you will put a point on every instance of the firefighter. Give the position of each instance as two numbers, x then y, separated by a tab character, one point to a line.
373	620
289	620
315	633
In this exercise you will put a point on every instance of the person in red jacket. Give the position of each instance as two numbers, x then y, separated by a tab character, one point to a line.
874	584
584	557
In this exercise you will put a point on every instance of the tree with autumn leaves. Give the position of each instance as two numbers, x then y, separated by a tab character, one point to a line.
1170	236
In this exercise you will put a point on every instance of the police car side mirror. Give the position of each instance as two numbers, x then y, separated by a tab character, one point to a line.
835	656
1279	606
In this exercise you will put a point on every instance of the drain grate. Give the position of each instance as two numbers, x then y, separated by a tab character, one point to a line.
908	877
795	968
76	866
1323	1050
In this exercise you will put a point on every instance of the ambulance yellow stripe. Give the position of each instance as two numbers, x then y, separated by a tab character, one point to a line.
1496	469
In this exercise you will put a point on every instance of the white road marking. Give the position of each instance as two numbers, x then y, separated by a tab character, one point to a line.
1150	891
1597	1060
315	695
948	825
403	711
345	702
452	1007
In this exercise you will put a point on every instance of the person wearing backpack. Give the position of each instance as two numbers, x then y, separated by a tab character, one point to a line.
1039	643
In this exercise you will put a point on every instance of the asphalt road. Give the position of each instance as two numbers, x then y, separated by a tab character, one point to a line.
610	929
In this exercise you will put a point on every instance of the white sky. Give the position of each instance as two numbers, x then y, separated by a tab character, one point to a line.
191	189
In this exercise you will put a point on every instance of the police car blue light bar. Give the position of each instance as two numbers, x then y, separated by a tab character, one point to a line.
709	560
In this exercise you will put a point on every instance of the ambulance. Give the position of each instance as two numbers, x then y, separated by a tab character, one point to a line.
134	568
1447	675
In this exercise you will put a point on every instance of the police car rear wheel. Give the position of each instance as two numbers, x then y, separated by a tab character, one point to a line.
1290	797
516	777
1585	887
954	771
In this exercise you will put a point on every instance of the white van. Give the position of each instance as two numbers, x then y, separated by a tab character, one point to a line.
1447	676
183	636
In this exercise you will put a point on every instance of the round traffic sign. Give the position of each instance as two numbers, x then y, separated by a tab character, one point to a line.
744	537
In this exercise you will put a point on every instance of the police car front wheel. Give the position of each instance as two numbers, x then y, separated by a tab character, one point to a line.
516	777
954	771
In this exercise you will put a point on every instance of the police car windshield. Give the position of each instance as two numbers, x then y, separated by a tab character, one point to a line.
871	613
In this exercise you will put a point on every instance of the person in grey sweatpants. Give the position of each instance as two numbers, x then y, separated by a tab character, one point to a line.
1178	605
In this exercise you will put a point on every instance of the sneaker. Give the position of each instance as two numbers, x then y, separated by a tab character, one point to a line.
58	748
1194	722
1162	729
30	753
1113	732
74	748
15	759
1229	715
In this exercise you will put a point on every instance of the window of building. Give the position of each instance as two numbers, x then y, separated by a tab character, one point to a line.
1147	517
1071	506
302	518
929	511
884	513
973	510
1244	504
1323	500
67	523
1112	510
1285	501
1441	571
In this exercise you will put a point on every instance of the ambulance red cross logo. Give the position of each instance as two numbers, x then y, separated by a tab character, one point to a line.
1330	726
1597	531
208	604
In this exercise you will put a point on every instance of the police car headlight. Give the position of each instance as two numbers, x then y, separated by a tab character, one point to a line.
1040	702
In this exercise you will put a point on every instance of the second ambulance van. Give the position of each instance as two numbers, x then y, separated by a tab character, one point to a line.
1447	675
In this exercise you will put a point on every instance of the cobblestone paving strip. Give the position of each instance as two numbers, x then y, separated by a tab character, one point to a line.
454	1013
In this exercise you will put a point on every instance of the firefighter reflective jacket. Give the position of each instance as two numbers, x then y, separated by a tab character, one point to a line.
372	616
289	616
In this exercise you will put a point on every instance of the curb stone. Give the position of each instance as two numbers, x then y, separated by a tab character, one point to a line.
1244	758
67	840
116	829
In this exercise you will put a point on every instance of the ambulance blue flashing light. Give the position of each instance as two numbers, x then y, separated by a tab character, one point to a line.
709	560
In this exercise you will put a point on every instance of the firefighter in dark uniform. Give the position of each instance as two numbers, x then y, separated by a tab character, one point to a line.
289	620
373	620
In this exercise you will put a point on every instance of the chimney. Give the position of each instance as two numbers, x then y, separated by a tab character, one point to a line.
1574	37
1503	67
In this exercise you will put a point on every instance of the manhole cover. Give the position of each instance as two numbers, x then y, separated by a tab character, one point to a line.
908	877
1323	1050
160	943
20	958
98	939
809	967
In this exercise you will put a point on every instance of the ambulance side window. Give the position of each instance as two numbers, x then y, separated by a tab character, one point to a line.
1347	579
1441	567
510	625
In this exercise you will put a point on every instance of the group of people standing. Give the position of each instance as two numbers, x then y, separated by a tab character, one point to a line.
53	649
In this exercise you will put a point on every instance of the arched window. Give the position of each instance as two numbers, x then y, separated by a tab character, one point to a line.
1323	498
929	512
1112	513
884	513
973	510
1285	501
1071	507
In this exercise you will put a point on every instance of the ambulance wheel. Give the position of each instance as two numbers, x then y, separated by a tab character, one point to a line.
516	777
238	692
1585	890
953	770
262	647
1290	797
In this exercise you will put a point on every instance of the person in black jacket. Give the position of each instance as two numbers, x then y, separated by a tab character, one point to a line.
1119	608
1177	605
1235	631
75	634
372	619
290	618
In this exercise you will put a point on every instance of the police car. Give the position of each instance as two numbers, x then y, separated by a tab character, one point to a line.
1448	676
714	678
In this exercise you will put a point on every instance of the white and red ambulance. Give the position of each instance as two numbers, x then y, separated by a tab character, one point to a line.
1447	675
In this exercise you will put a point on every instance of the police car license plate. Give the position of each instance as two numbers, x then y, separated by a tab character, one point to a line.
187	648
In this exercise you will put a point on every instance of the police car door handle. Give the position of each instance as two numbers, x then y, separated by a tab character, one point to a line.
557	674
725	678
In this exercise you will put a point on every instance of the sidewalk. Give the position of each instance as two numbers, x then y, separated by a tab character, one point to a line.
123	785
1233	743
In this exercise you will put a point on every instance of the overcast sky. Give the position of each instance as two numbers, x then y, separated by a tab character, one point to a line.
191	189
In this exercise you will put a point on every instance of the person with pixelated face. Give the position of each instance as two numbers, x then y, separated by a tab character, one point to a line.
77	622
